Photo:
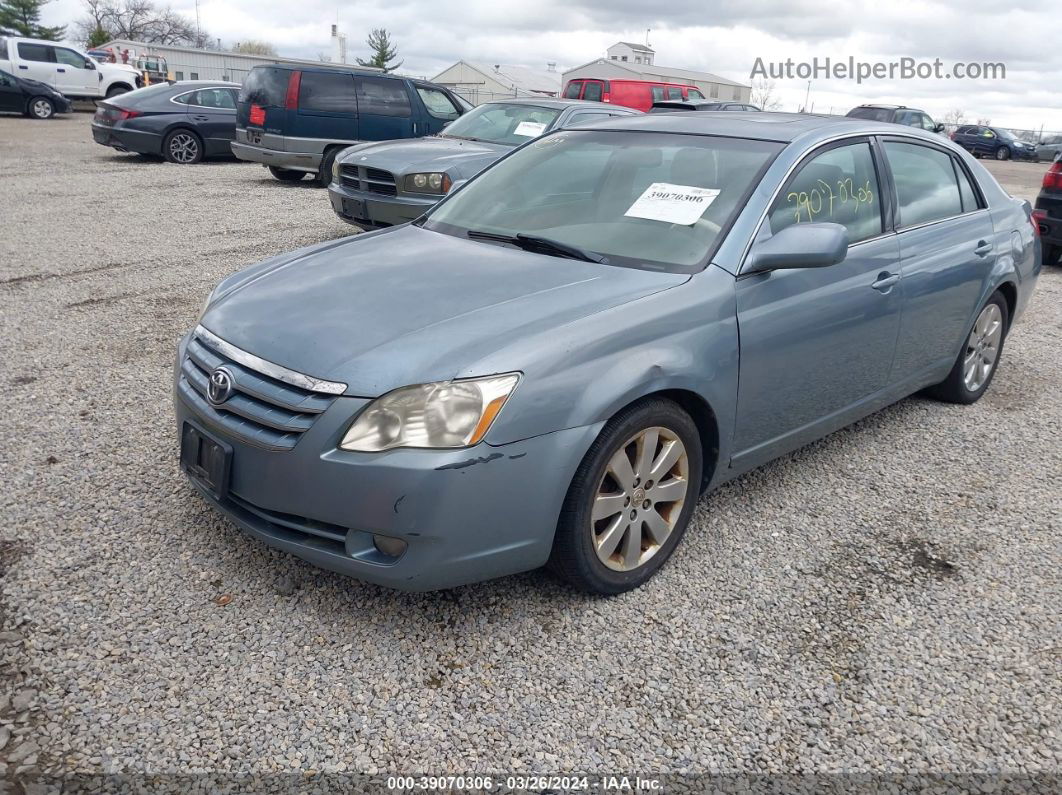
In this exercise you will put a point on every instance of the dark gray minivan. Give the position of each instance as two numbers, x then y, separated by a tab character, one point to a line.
295	120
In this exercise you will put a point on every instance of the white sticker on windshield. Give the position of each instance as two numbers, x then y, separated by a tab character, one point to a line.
673	204
529	129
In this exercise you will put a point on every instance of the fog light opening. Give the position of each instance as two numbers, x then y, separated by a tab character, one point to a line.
392	547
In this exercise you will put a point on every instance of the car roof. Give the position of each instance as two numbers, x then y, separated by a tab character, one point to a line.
759	125
195	83
557	102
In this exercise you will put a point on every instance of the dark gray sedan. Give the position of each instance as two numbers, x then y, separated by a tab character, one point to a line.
182	122
389	183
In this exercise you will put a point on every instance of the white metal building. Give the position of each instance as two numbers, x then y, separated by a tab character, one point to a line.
479	83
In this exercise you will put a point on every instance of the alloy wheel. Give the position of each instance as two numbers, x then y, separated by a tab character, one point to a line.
42	108
982	347
639	499
184	148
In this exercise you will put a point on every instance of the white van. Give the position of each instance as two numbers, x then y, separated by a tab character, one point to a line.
66	69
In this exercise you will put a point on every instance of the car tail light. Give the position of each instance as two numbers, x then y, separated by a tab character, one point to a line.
1038	217
1053	177
127	114
951	135
257	115
291	100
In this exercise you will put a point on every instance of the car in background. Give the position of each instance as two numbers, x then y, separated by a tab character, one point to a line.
383	184
997	142
637	94
1048	213
181	122
296	120
545	367
897	114
1049	148
670	106
30	97
66	69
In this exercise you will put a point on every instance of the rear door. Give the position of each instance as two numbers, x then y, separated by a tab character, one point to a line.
328	108
36	61
213	112
12	99
947	249
260	108
594	90
385	111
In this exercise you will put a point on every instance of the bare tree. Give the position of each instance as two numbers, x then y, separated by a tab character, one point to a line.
984	121
763	95
954	117
138	20
255	47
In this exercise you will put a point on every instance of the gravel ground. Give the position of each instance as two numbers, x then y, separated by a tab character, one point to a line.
887	599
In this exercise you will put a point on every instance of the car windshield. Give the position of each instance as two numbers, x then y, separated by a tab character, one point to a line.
648	200
502	123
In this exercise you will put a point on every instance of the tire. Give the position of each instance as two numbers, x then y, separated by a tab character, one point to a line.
324	173
182	146
1052	255
985	339
582	545
1003	153
114	91
40	108
286	174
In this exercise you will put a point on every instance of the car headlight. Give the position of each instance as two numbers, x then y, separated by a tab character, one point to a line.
336	168
428	183
439	415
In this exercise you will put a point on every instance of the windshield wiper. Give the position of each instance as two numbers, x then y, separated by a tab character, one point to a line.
540	245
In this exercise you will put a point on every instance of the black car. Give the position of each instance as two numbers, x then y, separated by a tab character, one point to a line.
897	114
1048	213
997	142
672	105
182	122
30	97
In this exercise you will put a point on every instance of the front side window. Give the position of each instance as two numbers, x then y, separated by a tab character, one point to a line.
926	185
647	200
928	124
593	91
839	186
35	52
438	103
330	92
694	93
502	123
381	96
69	58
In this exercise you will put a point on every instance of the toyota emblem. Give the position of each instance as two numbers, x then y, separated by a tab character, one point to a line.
219	388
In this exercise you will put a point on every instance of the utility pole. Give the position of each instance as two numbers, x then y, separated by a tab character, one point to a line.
198	31
807	95
647	36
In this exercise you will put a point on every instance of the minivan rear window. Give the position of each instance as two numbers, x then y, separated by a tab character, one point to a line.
327	91
266	86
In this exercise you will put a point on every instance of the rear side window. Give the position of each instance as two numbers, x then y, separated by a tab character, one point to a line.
966	191
265	85
574	87
332	92
214	98
694	93
839	186
593	92
925	183
657	93
381	96
438	103
35	52
874	114
674	93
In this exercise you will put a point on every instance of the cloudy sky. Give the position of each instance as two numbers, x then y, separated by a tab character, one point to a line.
725	37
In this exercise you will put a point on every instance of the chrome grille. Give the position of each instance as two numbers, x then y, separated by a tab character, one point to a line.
261	410
372	180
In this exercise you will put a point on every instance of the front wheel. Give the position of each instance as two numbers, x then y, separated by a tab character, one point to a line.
630	500
1003	153
324	174
977	361
41	108
286	174
114	91
182	147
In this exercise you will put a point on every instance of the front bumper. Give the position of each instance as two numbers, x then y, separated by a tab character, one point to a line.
127	140
366	209
466	515
296	161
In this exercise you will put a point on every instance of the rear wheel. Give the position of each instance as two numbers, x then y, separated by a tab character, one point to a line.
977	361
286	174
1052	255
631	499
1003	153
183	147
324	174
40	108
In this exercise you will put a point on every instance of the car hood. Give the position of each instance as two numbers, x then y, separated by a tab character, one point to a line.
407	305
451	155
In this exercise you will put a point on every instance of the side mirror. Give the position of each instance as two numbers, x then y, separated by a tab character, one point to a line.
800	246
938	128
89	64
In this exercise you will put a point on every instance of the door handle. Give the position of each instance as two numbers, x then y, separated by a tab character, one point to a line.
983	249
201	118
60	70
885	281
22	67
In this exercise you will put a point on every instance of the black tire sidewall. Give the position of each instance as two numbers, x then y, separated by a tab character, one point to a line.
166	146
286	174
33	101
1003	153
582	566
324	173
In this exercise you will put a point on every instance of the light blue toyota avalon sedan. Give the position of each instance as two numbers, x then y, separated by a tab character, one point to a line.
557	360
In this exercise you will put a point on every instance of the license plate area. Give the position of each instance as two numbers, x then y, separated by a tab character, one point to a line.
207	460
254	136
355	208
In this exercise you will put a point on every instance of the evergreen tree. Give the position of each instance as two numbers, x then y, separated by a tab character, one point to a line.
383	51
23	18
98	37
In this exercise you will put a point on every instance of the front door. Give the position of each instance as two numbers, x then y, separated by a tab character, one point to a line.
73	76
12	100
818	343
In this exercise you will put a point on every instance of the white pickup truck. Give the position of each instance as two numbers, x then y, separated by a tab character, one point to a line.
66	69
